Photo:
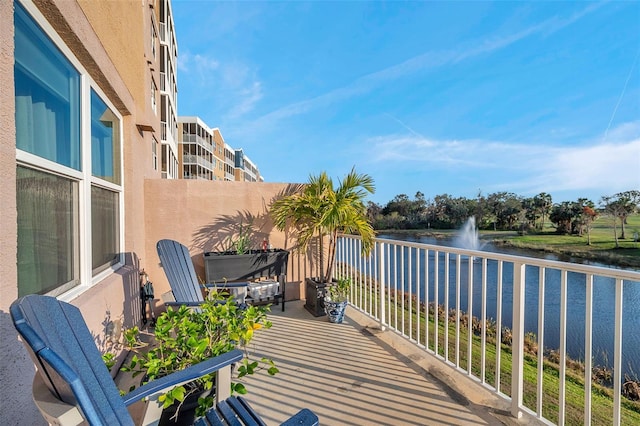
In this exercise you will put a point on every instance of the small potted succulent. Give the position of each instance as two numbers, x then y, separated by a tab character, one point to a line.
185	337
336	299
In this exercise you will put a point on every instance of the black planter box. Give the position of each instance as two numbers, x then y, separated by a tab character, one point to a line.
314	293
228	266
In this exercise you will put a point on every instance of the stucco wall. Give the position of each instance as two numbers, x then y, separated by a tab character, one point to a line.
201	214
123	28
197	213
114	298
16	368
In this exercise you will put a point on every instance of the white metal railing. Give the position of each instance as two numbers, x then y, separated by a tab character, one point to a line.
163	130
163	82
546	303
163	32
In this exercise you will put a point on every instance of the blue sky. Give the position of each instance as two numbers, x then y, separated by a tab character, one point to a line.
438	97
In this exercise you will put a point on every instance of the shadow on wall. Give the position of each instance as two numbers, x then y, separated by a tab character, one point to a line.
219	234
114	323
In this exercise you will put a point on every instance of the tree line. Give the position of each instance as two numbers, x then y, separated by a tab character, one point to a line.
505	211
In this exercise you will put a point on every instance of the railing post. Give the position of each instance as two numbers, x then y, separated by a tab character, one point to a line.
517	342
383	310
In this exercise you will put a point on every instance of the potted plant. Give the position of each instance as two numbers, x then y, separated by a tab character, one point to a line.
335	302
320	211
185	337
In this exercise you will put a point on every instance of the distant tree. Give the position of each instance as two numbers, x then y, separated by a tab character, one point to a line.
619	206
494	204
507	207
480	209
543	204
528	215
562	216
373	210
589	216
400	204
441	210
418	207
580	217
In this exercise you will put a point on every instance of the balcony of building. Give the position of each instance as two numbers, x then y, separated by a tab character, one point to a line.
583	317
397	360
355	373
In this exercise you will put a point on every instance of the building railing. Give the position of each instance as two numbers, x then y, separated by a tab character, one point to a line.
163	130
467	322
163	32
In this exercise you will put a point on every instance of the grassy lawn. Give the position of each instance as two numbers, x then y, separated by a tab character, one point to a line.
601	397
602	249
602	246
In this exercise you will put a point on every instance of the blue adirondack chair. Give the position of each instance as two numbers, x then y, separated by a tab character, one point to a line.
178	266
73	385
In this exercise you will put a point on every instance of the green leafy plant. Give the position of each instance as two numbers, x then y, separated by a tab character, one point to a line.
319	210
185	337
339	291
240	243
109	359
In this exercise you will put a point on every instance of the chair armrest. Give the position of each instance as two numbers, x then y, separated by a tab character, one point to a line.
226	285
303	417
187	304
183	376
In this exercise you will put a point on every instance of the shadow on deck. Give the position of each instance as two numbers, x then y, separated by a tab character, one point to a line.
355	374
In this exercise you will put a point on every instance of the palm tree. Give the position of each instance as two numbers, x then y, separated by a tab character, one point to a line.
543	203
319	210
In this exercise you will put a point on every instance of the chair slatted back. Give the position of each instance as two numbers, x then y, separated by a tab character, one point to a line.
178	267
67	358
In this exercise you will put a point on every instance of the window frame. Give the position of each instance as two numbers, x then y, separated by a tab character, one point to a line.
84	177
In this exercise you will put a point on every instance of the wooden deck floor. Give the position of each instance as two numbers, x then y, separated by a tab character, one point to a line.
349	374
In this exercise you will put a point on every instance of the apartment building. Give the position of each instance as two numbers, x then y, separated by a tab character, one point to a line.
246	170
218	154
197	147
229	163
168	91
205	155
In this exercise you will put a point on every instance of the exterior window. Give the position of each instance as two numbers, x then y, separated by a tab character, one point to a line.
66	200
47	96
105	241
47	232
154	90
105	164
105	141
164	158
154	37
154	153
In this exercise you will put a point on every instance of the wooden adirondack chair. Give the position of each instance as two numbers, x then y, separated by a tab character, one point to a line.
73	386
178	266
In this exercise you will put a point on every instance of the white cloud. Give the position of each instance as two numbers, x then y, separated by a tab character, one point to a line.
609	167
246	100
606	166
237	90
197	64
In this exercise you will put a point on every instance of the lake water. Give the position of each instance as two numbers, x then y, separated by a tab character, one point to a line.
603	300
